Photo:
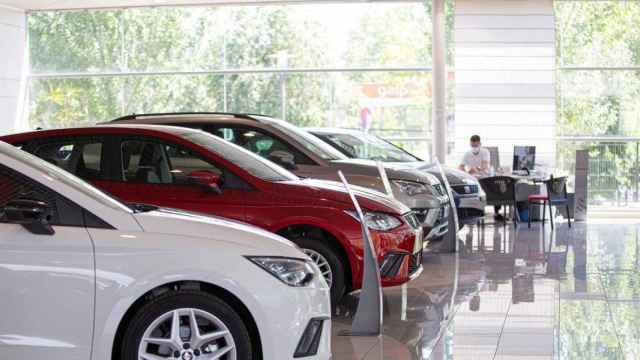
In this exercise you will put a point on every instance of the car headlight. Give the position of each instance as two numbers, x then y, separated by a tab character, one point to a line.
412	188
293	272
377	221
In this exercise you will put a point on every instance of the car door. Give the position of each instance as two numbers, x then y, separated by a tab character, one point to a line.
158	172
46	281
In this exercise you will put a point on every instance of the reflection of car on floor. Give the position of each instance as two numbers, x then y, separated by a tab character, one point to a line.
189	169
307	156
469	197
84	276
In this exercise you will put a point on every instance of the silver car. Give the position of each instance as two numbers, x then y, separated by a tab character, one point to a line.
468	195
308	156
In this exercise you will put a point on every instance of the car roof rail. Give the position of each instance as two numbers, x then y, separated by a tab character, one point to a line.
134	116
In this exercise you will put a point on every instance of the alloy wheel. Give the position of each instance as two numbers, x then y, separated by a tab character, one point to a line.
187	334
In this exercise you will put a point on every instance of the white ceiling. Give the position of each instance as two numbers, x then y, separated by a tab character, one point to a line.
94	4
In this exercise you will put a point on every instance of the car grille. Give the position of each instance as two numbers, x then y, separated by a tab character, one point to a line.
465	189
412	219
414	262
420	215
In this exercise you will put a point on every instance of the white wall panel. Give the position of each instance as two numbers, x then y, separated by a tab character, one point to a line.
504	22
526	119
505	75
505	63
12	56
535	91
505	35
503	49
504	7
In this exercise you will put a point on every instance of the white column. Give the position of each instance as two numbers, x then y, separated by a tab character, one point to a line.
12	65
439	115
505	76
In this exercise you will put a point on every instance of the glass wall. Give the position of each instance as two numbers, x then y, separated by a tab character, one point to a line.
357	65
598	48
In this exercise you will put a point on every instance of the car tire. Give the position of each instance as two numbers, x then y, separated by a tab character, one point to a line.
313	246
207	309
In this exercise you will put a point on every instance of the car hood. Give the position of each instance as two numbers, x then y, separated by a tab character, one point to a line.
397	171
334	191
234	233
454	176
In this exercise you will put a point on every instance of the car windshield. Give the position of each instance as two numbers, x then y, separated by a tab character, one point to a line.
246	160
54	173
366	146
308	140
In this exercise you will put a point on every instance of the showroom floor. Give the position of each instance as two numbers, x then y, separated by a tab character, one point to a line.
514	294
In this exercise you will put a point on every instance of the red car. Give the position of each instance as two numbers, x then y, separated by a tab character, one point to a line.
192	170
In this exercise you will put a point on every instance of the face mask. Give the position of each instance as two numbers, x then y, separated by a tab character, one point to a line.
475	150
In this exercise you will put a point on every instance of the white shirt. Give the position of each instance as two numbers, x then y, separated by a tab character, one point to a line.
475	160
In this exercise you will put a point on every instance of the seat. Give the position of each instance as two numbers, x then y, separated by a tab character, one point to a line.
556	196
501	191
538	197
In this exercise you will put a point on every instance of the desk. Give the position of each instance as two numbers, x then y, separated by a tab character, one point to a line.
525	186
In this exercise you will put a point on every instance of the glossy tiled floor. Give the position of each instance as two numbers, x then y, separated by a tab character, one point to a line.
514	293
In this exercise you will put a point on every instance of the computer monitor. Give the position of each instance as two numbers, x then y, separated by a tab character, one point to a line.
524	158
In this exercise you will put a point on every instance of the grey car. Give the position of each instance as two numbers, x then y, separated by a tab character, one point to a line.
468	195
307	156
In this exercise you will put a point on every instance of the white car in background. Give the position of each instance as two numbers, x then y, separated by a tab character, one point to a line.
83	276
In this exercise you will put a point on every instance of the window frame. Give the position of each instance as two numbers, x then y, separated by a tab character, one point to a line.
230	180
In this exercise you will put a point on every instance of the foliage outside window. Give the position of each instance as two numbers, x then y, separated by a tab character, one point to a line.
91	66
598	47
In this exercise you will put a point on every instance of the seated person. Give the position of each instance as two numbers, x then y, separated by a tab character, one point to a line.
476	160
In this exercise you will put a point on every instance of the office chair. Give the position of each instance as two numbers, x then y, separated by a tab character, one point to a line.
501	191
556	196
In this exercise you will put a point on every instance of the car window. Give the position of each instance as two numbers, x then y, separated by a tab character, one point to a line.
244	159
14	185
262	143
160	163
366	146
54	173
306	139
82	158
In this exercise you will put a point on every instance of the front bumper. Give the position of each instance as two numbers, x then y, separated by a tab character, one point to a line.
470	207
398	265
275	317
435	222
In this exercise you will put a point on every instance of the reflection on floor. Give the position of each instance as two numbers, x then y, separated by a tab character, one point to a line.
514	293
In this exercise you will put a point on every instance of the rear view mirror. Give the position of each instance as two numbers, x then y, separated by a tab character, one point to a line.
208	180
283	159
34	215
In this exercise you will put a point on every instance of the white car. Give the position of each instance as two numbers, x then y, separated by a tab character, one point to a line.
83	276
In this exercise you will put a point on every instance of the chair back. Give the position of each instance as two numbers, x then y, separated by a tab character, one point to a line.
499	189
494	156
556	188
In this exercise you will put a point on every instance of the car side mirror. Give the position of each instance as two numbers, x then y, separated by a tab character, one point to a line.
208	180
283	159
34	215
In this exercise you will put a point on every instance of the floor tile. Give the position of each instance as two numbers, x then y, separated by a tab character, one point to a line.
587	332
513	293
